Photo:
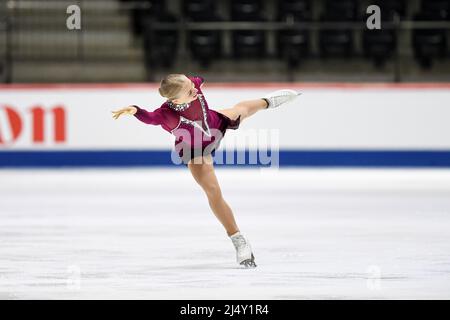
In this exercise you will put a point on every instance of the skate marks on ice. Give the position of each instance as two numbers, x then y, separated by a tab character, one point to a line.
316	234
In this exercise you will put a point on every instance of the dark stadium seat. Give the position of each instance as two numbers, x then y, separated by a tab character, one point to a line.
438	9
294	9
293	45
342	10
391	7
248	43
429	44
205	45
161	46
145	9
199	10
246	10
380	44
337	42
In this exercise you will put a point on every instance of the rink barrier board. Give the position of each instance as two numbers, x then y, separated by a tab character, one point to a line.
300	157
287	158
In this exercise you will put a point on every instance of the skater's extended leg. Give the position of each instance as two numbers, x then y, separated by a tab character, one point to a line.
272	100
205	176
244	109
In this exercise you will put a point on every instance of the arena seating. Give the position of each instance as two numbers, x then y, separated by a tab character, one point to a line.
205	45
337	42
248	43
380	44
293	44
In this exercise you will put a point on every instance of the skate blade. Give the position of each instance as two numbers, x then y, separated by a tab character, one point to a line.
249	263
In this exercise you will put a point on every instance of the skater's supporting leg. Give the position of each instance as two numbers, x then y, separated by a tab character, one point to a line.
244	109
205	176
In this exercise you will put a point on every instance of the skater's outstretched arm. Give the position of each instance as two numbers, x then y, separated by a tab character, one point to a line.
156	117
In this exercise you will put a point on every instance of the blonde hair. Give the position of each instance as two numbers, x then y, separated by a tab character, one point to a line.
170	86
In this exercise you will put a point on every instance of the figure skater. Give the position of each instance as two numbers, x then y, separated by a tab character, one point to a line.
186	115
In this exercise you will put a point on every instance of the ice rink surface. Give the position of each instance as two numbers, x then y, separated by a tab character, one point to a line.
149	234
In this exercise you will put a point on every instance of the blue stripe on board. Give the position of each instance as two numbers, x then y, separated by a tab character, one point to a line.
295	158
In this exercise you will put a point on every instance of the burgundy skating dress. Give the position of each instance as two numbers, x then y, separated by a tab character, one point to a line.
198	130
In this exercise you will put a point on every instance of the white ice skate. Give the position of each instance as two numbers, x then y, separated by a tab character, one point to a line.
279	97
244	255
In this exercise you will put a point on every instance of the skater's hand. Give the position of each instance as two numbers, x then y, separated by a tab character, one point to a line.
127	110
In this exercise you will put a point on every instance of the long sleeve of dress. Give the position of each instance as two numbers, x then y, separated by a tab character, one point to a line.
166	119
150	117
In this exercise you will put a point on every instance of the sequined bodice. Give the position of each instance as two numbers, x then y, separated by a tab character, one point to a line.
194	114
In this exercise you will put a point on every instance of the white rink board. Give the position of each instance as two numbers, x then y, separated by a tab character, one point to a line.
322	118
